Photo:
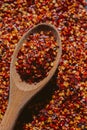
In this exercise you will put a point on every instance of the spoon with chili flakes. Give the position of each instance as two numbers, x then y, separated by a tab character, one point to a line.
34	62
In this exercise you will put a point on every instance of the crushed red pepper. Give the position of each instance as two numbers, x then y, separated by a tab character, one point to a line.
67	107
36	57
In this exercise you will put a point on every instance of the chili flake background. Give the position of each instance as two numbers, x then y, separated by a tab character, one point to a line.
62	104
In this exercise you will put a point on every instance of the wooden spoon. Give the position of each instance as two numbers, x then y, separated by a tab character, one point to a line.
21	92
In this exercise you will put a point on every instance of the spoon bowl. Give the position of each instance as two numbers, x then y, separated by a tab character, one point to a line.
20	91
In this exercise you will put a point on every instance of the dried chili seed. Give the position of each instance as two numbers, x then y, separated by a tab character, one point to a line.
69	100
36	57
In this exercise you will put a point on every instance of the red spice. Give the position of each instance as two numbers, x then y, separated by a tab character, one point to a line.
68	104
35	59
30	2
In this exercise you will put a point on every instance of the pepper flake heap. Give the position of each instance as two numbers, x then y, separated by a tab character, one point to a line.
67	110
36	57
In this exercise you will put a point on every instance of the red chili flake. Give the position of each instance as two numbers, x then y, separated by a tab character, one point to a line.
68	102
36	57
30	2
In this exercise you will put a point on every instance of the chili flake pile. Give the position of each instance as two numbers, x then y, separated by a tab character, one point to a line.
66	108
36	57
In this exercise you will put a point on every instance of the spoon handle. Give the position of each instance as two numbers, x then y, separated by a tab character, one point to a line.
16	102
9	118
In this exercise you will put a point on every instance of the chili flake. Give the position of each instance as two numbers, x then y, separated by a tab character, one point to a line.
64	105
36	57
